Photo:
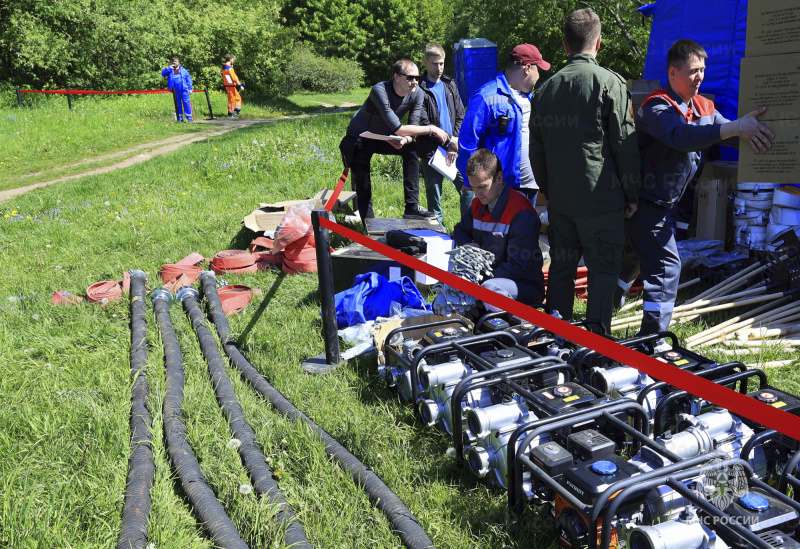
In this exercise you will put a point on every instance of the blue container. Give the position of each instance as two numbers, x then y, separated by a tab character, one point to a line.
474	64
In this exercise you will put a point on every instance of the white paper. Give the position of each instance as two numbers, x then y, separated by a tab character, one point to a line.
370	135
439	163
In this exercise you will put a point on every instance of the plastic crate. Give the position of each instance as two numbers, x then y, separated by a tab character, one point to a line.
474	64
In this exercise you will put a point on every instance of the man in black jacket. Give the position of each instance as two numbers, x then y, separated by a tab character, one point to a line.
442	107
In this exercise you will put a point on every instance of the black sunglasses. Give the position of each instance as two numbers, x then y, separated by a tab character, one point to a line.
410	77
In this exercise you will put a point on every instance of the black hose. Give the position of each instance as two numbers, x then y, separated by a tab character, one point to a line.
401	518
249	450
223	532
141	465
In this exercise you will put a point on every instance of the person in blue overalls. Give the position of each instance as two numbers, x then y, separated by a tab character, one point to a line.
179	79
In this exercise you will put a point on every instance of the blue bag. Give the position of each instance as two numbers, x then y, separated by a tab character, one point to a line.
370	297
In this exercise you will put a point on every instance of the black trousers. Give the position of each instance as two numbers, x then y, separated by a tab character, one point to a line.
360	173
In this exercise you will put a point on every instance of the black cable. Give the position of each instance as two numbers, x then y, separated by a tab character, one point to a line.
216	521
141	464
401	518
249	450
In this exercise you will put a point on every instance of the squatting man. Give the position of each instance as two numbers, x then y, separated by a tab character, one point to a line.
502	220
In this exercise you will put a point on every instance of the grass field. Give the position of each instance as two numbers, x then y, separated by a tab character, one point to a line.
65	375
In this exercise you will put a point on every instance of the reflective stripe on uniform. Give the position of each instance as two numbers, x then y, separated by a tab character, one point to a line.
655	306
489	226
624	285
681	225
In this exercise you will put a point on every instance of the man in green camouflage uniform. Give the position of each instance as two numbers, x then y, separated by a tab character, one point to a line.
586	161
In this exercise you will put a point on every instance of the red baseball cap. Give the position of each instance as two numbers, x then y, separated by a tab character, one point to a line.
528	54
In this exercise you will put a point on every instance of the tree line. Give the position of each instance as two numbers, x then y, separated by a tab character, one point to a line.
280	45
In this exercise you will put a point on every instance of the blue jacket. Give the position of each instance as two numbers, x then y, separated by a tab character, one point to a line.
511	232
180	82
481	129
672	135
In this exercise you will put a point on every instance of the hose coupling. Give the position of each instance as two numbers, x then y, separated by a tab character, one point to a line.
162	294
186	292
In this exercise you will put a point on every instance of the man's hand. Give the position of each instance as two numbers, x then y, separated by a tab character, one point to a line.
453	144
440	134
630	209
754	132
397	142
451	157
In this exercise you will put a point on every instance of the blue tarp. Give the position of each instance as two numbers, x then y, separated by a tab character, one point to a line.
717	25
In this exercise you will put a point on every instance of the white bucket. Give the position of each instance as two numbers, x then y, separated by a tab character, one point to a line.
787	196
756	189
784	216
754	217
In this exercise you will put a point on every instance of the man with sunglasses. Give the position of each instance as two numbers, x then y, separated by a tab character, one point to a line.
503	221
380	114
497	119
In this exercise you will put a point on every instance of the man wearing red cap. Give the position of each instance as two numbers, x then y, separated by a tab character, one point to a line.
498	119
586	160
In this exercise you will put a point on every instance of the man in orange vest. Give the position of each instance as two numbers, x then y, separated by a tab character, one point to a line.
502	220
233	86
673	126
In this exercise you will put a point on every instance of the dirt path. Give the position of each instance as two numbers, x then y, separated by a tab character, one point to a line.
215	128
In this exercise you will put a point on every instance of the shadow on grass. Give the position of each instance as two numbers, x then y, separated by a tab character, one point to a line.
261	308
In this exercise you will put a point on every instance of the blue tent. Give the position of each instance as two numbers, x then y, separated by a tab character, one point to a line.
717	25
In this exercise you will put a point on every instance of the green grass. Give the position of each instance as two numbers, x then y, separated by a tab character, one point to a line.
45	139
65	375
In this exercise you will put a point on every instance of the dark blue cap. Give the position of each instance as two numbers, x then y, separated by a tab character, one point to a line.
754	502
604	467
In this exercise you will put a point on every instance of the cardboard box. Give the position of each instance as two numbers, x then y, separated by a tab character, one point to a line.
781	163
267	217
356	259
772	81
712	209
773	27
382	330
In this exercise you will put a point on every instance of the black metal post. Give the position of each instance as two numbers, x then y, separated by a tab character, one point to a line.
69	99
175	100
19	98
208	100
331	359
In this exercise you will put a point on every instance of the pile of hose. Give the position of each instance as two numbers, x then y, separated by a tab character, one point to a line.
107	291
253	458
188	266
235	298
141	465
261	247
202	498
401	518
235	262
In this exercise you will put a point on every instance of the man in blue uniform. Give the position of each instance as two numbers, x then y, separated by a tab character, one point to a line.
673	126
179	80
503	221
498	119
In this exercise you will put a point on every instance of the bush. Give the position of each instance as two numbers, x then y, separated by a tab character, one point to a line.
311	72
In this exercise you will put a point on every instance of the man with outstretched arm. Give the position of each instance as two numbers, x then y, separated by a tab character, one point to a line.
380	114
502	221
673	126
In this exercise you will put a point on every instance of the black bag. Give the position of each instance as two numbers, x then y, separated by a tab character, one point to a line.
348	146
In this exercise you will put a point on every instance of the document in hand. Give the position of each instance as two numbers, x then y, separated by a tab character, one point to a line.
370	135
439	163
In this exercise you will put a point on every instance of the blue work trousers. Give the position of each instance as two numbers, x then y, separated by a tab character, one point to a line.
183	103
651	235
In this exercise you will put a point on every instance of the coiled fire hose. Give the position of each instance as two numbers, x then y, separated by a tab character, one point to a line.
141	464
251	454
216	521
401	518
